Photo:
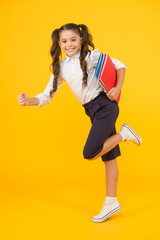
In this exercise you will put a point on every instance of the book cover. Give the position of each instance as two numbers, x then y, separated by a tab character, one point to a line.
106	73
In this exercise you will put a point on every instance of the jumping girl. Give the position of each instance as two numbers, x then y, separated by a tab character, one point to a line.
77	69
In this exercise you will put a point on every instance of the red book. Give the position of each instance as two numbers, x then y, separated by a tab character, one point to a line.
106	73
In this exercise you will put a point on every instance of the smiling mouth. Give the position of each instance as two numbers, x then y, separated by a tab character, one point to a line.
70	50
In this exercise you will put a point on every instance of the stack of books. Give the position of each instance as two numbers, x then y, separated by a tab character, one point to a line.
106	73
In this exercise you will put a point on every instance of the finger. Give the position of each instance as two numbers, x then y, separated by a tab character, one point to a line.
112	98
21	101
19	97
23	104
110	95
22	94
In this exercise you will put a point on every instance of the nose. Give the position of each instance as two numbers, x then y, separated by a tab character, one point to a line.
69	44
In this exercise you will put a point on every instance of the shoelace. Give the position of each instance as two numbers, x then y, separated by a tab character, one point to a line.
104	207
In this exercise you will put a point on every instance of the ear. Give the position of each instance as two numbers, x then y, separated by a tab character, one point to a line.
81	39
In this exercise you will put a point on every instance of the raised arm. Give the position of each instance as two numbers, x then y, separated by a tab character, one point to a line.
40	99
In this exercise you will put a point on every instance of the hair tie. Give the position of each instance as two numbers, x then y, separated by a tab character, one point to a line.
80	27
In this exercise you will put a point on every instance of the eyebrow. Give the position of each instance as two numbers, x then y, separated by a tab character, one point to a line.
71	38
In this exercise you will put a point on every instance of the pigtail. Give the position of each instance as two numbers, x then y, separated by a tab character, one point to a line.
55	52
86	42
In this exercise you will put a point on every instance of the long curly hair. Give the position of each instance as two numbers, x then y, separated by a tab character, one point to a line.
55	51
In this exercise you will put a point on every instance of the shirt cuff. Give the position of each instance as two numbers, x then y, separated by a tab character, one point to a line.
125	67
40	102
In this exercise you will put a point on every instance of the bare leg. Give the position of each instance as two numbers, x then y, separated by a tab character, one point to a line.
110	143
111	170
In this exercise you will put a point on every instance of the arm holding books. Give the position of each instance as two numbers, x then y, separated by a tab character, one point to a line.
114	92
110	74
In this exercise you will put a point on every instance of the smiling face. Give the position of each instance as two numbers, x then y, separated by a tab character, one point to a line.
70	42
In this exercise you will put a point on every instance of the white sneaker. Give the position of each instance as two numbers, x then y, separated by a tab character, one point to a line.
130	134
107	211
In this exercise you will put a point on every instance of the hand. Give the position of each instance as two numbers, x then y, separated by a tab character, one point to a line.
113	93
23	99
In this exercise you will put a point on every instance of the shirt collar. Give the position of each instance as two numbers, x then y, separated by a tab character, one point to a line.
74	56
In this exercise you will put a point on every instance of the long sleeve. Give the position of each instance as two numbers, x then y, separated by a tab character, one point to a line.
44	97
118	64
94	60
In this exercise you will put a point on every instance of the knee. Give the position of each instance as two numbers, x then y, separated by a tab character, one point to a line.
89	154
86	155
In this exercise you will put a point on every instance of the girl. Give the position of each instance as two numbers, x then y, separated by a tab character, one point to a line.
77	69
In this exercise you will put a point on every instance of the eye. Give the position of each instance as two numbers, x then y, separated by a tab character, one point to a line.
63	41
73	39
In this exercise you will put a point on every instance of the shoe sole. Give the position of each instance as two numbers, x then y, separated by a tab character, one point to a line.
107	215
134	133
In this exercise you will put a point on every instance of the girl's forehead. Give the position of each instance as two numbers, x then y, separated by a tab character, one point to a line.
68	34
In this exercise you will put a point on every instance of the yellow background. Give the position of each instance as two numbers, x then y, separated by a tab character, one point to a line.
48	190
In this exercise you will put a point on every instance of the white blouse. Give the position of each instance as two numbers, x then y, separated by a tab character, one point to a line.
71	72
